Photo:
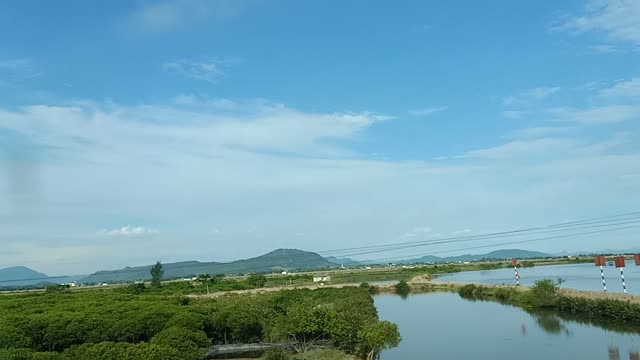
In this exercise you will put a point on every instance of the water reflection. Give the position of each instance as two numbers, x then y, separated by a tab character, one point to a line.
445	326
551	323
614	353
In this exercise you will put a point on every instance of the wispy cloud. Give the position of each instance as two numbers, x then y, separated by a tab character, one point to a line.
618	20
606	114
419	230
514	114
18	69
540	131
179	162
170	15
623	89
461	232
530	95
128	231
428	111
209	69
604	49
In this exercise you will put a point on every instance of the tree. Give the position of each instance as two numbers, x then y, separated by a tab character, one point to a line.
136	289
157	272
217	278
544	293
189	343
402	288
257	280
377	337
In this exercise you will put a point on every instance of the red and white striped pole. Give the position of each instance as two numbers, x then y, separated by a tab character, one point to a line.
515	268
599	260
619	260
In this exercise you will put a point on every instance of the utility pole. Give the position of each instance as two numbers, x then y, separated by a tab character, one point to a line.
599	260
515	268
620	263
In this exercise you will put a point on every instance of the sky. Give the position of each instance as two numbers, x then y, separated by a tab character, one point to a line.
132	131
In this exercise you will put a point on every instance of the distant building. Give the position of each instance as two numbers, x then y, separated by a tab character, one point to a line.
321	278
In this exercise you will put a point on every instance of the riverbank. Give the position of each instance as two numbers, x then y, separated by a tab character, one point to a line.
546	295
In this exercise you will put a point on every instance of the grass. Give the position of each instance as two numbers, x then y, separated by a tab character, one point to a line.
323	355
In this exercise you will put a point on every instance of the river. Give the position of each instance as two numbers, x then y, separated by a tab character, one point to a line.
576	276
445	326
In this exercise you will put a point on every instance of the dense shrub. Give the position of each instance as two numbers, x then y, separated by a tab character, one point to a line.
275	353
402	288
467	291
544	293
115	324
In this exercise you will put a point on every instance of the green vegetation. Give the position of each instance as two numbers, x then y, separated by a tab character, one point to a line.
402	288
147	323
274	261
372	289
377	337
157	272
545	294
257	281
356	277
275	353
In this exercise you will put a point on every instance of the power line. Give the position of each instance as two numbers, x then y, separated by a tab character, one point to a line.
521	232
567	226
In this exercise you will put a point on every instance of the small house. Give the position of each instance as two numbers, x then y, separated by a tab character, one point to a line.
321	278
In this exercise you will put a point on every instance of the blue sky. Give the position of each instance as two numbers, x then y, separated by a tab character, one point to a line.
213	130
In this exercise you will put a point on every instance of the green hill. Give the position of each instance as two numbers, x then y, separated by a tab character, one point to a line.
20	273
289	259
494	255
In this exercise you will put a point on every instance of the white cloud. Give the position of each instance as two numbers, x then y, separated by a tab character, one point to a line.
530	95
255	125
423	229
417	231
540	149
428	111
514	114
170	15
524	149
540	131
18	69
603	49
461	232
282	171
129	231
625	88
15	64
210	69
606	114
618	20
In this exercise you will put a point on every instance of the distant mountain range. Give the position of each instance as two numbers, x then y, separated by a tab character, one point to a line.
21	276
494	255
343	261
281	259
20	273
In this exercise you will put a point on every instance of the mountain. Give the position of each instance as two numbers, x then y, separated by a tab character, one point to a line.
21	277
494	255
20	273
343	261
281	259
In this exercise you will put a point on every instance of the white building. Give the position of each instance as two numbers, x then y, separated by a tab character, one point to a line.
321	278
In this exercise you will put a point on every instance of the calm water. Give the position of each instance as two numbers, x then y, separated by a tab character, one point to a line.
577	276
445	326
